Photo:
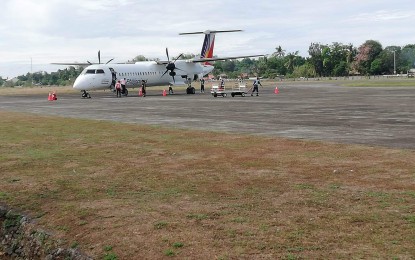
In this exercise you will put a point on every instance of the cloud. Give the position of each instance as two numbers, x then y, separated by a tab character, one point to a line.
383	15
61	30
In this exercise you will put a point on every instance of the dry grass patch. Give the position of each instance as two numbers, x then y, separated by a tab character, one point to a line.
153	192
44	90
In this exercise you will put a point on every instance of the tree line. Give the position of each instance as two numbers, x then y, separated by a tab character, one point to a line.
324	60
62	77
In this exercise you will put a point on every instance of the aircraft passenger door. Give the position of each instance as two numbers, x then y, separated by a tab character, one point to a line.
114	77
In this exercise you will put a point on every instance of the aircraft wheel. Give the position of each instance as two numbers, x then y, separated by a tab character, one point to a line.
224	94
215	95
86	95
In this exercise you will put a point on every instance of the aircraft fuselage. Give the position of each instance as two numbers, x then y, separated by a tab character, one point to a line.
101	76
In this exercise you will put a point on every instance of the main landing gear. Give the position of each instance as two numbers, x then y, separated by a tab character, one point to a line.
85	94
190	90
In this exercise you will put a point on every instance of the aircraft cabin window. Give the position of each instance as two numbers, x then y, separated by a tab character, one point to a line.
100	71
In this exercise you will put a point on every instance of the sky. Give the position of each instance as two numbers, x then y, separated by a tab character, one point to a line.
35	33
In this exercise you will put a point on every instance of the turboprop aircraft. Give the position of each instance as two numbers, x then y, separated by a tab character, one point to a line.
153	73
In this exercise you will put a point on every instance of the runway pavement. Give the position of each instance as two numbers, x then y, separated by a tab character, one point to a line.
376	116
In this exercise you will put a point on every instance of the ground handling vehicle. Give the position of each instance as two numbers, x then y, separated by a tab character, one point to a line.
239	90
218	91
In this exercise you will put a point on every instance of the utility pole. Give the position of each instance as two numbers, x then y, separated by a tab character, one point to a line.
394	63
31	71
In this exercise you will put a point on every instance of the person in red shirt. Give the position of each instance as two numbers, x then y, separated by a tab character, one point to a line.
118	88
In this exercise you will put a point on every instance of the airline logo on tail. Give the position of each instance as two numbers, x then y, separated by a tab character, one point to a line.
208	43
207	48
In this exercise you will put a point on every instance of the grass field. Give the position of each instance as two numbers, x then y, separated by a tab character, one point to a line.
149	192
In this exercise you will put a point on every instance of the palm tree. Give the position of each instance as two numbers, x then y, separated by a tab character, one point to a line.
279	53
291	59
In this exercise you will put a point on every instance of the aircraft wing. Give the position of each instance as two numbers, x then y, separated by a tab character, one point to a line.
72	64
226	58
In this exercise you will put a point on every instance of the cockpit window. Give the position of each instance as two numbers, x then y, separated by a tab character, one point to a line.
93	71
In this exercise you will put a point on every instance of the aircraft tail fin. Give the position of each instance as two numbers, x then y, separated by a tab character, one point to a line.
208	43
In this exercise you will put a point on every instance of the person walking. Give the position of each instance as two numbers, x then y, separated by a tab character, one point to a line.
123	82
118	88
257	83
202	85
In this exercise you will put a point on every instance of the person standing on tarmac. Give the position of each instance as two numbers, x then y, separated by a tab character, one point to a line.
118	88
170	89
222	83
143	87
255	85
202	85
123	82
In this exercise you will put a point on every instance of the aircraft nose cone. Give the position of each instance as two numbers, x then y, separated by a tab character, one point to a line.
79	83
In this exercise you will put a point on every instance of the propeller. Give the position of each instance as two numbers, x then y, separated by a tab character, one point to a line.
171	66
99	59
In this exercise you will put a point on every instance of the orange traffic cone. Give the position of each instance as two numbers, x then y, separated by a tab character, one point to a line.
50	97
276	91
164	93
140	92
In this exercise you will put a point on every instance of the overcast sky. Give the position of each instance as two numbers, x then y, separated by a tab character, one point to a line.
40	32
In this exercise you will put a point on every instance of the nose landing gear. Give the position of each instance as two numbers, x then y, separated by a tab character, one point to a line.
85	94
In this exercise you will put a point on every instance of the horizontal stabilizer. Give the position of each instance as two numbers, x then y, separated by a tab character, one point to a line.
73	63
209	32
227	58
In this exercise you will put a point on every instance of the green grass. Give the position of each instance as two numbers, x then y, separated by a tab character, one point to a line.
68	174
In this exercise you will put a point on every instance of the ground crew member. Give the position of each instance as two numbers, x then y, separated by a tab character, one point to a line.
143	87
202	85
118	88
255	85
222	83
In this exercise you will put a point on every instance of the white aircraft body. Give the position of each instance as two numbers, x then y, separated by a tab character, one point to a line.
100	76
153	73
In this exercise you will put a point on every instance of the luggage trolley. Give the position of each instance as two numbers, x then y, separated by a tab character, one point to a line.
218	91
239	89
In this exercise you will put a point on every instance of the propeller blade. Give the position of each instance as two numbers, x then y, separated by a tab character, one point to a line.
178	57
89	62
99	57
164	73
109	61
167	53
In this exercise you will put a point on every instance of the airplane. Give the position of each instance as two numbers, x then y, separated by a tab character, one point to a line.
152	73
